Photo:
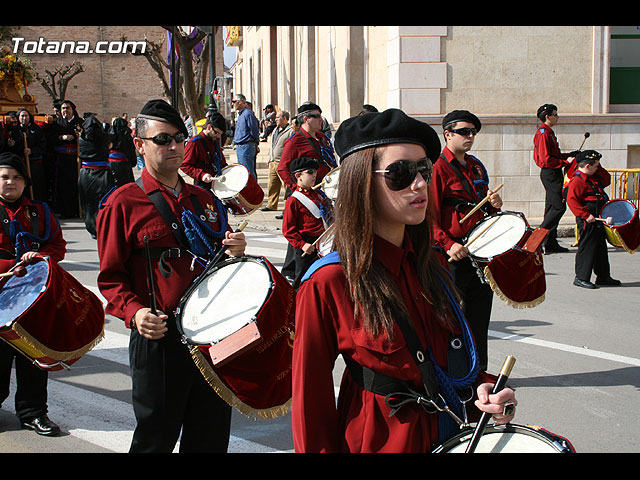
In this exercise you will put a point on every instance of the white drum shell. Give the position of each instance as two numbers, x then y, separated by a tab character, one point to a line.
232	181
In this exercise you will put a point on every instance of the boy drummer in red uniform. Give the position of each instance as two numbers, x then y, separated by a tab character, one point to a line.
304	212
28	229
585	198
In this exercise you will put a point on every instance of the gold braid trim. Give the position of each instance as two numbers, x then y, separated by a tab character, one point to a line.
228	396
507	300
56	355
619	238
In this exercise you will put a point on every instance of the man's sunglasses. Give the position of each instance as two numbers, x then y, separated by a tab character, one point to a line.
399	175
165	138
465	131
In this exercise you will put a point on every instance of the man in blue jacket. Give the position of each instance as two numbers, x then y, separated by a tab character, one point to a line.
246	136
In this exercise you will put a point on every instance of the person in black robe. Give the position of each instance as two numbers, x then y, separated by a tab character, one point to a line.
30	144
122	155
63	136
96	178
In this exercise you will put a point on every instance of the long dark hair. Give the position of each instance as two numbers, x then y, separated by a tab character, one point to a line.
374	295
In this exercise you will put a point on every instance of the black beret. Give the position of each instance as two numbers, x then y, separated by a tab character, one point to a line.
307	107
11	160
588	156
461	116
303	163
218	121
384	128
163	112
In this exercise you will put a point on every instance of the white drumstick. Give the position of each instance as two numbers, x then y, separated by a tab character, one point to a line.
478	235
608	220
484	200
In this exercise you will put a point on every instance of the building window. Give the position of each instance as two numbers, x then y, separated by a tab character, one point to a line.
624	92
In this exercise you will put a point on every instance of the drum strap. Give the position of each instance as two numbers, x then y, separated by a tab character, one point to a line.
326	153
472	192
440	387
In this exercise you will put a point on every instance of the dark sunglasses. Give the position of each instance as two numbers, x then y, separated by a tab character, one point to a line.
465	131
399	175
165	138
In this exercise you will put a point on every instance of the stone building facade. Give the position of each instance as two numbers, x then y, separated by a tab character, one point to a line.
501	73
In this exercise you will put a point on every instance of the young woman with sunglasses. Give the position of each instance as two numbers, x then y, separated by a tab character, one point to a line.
383	263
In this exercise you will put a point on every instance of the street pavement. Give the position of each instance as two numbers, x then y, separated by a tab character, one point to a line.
576	371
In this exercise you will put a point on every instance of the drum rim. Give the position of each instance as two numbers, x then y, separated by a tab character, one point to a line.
537	432
486	219
634	209
45	260
229	261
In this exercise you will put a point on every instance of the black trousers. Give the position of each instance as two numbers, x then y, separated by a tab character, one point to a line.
171	396
122	172
477	300
592	255
554	203
31	389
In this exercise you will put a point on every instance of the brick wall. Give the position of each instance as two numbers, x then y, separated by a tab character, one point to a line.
111	84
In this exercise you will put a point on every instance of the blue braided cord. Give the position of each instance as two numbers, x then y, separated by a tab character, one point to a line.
202	230
21	237
448	383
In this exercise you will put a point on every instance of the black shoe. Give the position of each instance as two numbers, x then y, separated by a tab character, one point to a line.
42	426
278	217
267	209
608	281
583	283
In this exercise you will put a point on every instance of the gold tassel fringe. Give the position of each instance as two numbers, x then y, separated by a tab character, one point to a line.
228	396
507	300
56	355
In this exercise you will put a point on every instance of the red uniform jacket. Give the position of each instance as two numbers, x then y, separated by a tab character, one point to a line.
298	222
123	221
584	188
325	328
546	151
445	184
301	144
201	156
54	246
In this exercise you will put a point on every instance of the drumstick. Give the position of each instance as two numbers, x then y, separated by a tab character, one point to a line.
608	220
478	235
224	248
152	292
586	135
322	182
323	236
18	271
484	200
507	366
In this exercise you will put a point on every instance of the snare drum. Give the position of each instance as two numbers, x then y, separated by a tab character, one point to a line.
509	438
506	251
49	316
624	232
238	319
238	190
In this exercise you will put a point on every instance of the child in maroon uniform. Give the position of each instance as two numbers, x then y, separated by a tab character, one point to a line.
28	229
304	215
585	198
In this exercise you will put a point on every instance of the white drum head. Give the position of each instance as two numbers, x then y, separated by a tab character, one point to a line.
503	233
231	181
508	442
225	301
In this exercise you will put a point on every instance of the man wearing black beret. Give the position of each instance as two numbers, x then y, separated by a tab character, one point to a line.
460	181
203	157
170	395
